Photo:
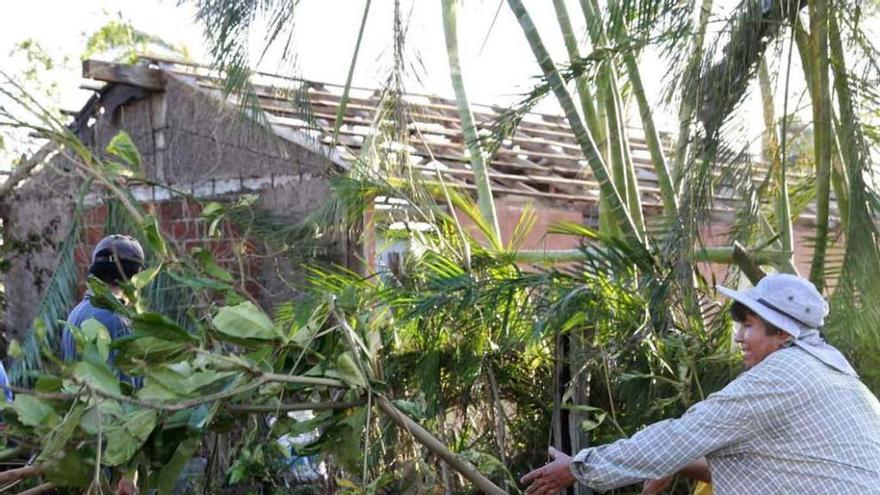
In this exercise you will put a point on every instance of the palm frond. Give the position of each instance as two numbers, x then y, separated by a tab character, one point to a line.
752	27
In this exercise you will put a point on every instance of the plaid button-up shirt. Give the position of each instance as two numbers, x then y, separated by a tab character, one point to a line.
789	425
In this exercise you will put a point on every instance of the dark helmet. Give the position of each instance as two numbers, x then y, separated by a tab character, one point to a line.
118	248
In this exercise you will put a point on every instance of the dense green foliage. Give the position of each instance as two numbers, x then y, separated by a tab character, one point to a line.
495	356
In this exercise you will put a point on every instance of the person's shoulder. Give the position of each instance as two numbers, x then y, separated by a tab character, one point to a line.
782	375
790	366
788	359
85	310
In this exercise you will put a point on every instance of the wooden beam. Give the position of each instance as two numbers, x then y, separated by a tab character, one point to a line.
135	75
91	86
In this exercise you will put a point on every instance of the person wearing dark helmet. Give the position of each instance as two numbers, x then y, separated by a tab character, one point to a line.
797	421
115	259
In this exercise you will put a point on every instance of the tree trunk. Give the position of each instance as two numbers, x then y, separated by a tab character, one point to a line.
821	96
778	163
585	140
485	200
343	102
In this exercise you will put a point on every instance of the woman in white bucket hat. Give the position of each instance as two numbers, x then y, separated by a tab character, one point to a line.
797	421
793	308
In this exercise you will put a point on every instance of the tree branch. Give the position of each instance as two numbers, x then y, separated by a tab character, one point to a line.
20	473
437	448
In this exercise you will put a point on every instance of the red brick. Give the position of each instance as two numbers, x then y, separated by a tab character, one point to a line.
200	227
189	244
252	288
191	208
82	256
183	231
221	249
93	234
171	210
249	247
230	229
96	215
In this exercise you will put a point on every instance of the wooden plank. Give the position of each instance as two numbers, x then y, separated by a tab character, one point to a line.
91	86
530	154
446	115
434	149
525	179
135	75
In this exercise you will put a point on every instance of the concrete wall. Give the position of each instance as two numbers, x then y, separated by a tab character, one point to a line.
37	218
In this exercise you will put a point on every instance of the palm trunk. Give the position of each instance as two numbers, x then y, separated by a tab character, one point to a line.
614	142
624	171
652	137
861	225
821	99
783	205
618	142
847	130
485	200
839	181
583	87
595	118
839	161
582	135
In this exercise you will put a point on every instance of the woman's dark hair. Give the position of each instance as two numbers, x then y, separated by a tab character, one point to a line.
739	311
108	271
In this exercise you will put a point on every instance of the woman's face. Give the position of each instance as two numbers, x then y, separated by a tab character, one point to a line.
751	335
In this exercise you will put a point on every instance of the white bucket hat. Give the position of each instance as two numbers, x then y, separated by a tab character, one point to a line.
793	305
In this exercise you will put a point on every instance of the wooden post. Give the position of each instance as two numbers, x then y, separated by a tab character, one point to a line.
579	343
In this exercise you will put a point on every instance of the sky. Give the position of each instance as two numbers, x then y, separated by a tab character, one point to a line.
497	63
62	27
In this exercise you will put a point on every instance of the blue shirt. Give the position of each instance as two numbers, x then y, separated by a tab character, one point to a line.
118	326
4	380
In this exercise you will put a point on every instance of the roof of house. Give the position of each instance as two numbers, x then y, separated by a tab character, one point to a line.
540	159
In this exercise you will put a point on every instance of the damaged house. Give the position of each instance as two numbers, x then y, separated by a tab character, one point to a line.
195	151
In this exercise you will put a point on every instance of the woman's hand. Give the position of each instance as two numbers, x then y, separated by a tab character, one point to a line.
653	487
550	478
126	487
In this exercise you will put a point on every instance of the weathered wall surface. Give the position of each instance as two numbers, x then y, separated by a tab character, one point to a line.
209	138
36	220
126	108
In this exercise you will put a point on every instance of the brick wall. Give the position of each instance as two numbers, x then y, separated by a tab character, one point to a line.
183	227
